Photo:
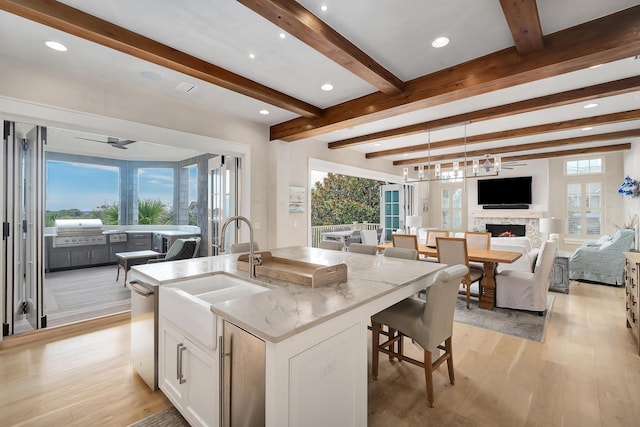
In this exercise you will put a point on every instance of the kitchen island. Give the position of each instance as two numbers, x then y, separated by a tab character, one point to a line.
315	339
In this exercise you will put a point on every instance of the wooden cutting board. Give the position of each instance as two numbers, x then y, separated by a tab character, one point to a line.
292	271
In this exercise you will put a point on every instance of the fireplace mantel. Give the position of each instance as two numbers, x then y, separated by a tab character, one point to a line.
531	219
497	213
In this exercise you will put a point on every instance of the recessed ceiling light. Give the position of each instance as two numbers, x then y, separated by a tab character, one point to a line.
150	75
324	8
327	87
264	112
282	35
592	105
587	128
405	154
56	45
440	42
377	144
252	56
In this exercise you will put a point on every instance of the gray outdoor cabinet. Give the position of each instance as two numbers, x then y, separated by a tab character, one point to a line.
137	241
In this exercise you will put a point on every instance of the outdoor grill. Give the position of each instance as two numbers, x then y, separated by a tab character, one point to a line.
79	232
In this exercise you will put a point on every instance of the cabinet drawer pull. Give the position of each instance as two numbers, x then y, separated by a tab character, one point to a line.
180	348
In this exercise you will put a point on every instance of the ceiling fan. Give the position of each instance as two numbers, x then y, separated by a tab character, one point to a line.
488	165
114	142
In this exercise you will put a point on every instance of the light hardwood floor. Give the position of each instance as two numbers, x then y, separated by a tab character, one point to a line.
586	373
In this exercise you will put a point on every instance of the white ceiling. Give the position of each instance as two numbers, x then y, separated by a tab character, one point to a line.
397	34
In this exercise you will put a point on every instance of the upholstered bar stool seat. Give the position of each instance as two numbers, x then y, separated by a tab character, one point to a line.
429	323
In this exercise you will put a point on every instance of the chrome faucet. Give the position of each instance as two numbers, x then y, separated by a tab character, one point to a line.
253	258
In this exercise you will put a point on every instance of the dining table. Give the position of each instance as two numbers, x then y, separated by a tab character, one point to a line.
489	259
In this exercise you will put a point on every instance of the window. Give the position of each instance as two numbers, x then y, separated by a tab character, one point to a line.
190	204
451	208
584	197
155	196
583	166
452	176
82	190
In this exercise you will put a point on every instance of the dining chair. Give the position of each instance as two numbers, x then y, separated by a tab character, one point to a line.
478	240
361	248
453	250
433	234
405	241
369	237
428	322
403	253
242	247
331	244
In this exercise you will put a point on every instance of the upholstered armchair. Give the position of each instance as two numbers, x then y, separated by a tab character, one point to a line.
602	261
524	290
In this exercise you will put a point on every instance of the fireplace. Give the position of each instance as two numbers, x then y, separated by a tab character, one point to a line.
506	230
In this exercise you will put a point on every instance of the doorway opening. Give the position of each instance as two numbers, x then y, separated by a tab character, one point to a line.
53	173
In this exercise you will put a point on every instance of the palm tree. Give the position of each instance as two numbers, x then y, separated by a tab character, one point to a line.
110	213
153	212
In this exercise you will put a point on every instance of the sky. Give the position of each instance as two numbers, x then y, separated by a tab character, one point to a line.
317	176
86	187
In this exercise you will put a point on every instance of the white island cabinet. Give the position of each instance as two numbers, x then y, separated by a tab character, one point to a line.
315	339
188	375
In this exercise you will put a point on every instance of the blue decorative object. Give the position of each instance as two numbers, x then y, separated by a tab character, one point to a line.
629	188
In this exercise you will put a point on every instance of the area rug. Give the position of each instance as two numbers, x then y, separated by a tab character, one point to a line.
170	417
523	324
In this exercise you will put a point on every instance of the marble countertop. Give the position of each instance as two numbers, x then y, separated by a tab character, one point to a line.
288	309
163	232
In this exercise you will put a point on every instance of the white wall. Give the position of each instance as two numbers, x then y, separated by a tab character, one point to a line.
537	169
290	162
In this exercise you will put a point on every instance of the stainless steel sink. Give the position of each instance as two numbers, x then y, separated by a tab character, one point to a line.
187	303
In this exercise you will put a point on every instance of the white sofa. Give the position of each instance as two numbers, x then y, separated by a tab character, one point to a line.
516	244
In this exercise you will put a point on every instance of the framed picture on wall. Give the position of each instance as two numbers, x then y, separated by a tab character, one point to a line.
296	199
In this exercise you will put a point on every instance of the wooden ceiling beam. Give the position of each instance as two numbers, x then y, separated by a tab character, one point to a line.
574	152
73	21
553	154
524	23
603	40
613	88
293	18
604	119
632	133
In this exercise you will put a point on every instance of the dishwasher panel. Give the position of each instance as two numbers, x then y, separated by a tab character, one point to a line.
144	324
243	378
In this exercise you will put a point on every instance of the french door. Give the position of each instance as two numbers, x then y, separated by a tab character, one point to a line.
22	214
396	202
224	200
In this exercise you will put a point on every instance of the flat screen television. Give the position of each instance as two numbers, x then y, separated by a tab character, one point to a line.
505	192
